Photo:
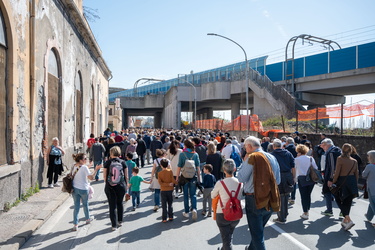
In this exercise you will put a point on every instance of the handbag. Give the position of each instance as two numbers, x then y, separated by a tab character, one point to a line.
336	189
68	181
314	174
302	181
135	155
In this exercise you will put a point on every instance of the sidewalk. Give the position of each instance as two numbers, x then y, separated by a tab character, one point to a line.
21	221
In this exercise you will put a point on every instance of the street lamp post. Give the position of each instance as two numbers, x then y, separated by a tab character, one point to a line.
195	102
246	76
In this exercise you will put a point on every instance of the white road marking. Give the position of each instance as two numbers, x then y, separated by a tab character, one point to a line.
283	233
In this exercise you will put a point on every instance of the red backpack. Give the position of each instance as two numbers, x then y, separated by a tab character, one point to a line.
232	210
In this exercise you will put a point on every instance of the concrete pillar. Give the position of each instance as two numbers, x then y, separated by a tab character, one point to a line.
125	119
235	110
178	122
157	119
210	113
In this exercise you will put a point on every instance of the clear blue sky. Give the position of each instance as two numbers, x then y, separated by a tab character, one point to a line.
161	39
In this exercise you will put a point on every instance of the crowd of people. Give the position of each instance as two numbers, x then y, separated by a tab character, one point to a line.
205	163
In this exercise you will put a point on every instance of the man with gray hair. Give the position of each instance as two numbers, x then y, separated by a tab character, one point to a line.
256	217
329	164
288	173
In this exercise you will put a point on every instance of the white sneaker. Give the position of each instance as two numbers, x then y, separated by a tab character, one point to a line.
349	225
186	215
194	215
50	185
305	216
56	185
156	208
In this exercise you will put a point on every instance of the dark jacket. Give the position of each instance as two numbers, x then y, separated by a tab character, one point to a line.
155	144
286	163
147	140
331	157
141	147
292	149
202	153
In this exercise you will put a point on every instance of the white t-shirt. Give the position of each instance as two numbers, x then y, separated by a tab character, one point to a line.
232	184
303	163
227	151
80	180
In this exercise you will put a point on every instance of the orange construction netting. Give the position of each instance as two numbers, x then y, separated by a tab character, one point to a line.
238	124
349	111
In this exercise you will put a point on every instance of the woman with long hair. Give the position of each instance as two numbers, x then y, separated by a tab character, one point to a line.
214	158
346	177
81	186
173	154
115	193
156	168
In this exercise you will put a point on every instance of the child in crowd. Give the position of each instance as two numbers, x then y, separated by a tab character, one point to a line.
135	185
130	164
166	181
209	181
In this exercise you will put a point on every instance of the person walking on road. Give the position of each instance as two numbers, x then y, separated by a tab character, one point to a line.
260	174
226	227
346	177
166	182
97	152
303	162
328	164
115	192
141	151
81	187
190	187
288	173
155	144
173	154
369	175
156	168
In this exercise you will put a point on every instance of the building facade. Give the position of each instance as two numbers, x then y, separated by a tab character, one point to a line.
53	83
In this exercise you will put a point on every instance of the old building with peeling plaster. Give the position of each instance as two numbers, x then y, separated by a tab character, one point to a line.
53	83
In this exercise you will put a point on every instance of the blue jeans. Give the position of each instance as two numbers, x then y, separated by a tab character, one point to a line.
136	196
328	197
371	207
157	197
97	163
256	220
190	189
78	195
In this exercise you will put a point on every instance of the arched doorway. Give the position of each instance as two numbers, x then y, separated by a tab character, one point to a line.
3	92
54	97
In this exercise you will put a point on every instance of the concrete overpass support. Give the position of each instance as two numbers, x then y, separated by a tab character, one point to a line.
205	113
317	99
263	108
158	119
235	110
125	119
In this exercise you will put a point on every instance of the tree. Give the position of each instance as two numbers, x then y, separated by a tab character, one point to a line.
90	14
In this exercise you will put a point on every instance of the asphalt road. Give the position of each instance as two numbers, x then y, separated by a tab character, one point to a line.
143	229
